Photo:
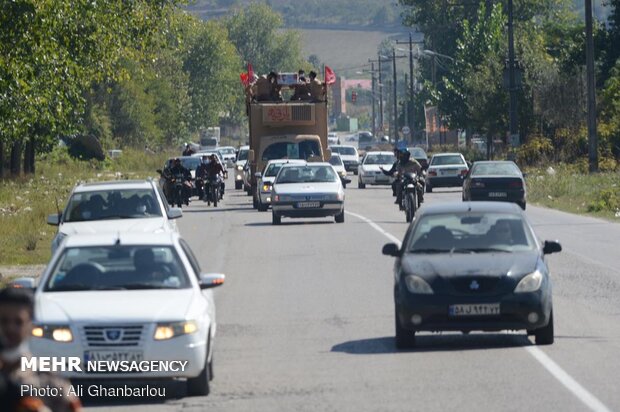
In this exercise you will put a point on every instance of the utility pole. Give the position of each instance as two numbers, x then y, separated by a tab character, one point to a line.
592	137
514	127
411	111
374	120
395	135
380	95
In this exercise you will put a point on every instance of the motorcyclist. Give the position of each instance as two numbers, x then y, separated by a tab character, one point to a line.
214	168
178	169
201	175
188	151
404	165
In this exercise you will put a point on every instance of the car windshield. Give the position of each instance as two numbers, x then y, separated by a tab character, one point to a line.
335	161
190	162
306	174
208	141
304	149
273	169
243	155
380	159
117	268
495	169
344	150
417	153
227	151
447	160
112	204
365	137
471	233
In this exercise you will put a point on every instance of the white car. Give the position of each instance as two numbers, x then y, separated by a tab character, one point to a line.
446	170
117	206
228	154
128	297
332	138
307	190
369	172
266	180
242	160
349	156
338	165
208	153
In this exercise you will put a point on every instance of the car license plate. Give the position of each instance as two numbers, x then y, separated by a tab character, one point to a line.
305	205
498	194
482	309
110	355
448	172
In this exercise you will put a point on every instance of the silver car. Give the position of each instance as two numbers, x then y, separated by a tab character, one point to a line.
266	180
307	190
242	159
446	170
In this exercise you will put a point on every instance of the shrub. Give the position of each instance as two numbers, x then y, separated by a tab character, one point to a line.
605	200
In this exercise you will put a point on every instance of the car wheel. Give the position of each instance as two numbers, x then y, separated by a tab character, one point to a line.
404	339
275	219
199	386
340	217
254	202
544	335
238	185
429	188
262	207
355	172
360	185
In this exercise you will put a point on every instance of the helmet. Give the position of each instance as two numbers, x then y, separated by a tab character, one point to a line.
401	146
177	161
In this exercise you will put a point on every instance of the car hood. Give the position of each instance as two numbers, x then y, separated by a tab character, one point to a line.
139	306
302	188
349	158
375	168
479	264
145	225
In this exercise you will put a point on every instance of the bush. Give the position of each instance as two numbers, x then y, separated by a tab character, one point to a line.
606	200
535	152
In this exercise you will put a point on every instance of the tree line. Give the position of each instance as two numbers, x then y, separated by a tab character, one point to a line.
550	49
130	73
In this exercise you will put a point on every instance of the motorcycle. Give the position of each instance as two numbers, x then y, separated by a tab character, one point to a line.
212	190
410	199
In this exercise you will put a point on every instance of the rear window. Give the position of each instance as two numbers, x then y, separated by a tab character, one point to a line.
306	174
335	161
447	160
495	169
382	159
273	169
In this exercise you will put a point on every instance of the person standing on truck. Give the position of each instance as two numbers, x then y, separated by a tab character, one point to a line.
317	89
274	87
262	89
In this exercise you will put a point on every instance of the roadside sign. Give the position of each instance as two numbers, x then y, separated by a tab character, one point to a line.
406	130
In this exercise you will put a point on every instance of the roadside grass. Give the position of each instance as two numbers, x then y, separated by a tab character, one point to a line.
571	189
26	202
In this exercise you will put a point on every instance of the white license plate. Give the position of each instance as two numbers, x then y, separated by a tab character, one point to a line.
448	172
498	194
110	355
304	205
482	309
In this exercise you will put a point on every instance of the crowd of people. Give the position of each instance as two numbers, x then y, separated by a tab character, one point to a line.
266	88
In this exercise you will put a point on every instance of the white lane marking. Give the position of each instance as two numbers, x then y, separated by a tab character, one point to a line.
376	227
565	379
553	368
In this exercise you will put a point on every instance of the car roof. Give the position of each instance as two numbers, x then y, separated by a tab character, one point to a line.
307	164
285	161
382	152
244	148
474	207
447	154
113	185
126	238
342	145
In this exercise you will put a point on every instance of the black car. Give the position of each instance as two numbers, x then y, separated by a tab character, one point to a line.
474	266
495	181
420	155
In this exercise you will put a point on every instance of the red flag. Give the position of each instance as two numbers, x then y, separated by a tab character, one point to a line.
244	79
330	76
250	72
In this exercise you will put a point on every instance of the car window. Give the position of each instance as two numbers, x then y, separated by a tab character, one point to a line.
118	267
273	169
497	169
439	233
292	150
191	257
227	151
447	160
163	199
335	161
379	159
243	155
306	174
112	204
418	153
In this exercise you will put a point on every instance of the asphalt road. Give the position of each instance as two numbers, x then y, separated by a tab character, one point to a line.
306	319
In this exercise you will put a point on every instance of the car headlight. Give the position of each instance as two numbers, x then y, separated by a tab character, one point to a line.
58	333
416	284
266	187
170	330
239	168
530	283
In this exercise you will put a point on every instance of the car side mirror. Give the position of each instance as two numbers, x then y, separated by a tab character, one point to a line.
24	283
391	249
54	219
211	280
551	246
257	175
347	180
251	156
174	213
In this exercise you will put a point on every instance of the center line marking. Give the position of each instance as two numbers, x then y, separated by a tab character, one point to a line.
549	364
